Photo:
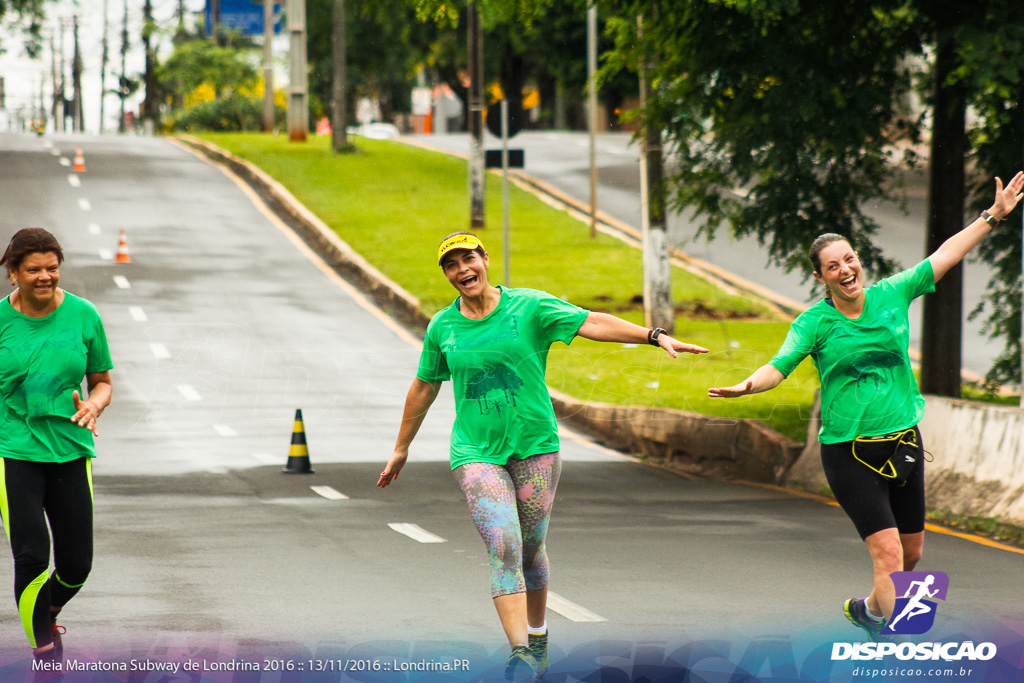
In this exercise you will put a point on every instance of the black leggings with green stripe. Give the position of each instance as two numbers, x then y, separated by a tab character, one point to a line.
32	494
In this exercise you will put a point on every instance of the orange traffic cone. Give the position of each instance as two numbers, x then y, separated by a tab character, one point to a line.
298	454
122	250
79	166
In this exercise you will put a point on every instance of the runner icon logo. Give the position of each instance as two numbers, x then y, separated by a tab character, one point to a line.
914	613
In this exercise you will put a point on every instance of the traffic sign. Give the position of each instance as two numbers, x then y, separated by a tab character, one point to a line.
492	158
516	118
243	16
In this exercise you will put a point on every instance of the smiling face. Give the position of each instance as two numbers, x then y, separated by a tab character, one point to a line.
840	271
37	279
466	269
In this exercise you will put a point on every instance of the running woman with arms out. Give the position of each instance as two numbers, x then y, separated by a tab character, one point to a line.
50	340
492	343
858	340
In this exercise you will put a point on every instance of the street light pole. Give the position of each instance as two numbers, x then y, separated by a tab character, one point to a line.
592	95
298	109
476	117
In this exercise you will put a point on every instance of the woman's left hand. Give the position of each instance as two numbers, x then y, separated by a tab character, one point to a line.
86	413
674	346
1007	197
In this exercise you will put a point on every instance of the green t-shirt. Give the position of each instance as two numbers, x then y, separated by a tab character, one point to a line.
497	365
43	360
867	383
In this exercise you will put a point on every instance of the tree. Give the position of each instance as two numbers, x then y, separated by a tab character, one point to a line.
993	65
784	129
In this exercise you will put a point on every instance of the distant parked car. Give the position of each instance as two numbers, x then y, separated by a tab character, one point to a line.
376	130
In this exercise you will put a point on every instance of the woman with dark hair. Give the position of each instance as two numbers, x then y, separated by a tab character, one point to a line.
50	340
871	447
493	342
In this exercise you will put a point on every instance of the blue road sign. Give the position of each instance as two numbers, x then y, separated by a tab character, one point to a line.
241	15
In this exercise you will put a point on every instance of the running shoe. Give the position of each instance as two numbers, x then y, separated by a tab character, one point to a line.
539	650
46	668
58	644
521	664
856	611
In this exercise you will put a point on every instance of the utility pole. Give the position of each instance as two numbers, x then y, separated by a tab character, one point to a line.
268	66
298	109
103	67
122	125
59	124
58	106
477	184
149	104
592	100
658	310
339	100
76	79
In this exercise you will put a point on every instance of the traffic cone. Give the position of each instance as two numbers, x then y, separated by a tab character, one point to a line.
79	166
122	250
298	454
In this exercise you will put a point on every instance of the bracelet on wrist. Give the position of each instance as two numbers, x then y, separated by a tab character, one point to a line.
653	334
989	218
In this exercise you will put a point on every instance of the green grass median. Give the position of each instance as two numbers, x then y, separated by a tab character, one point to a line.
393	203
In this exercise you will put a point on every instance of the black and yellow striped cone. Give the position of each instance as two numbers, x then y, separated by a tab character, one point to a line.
298	454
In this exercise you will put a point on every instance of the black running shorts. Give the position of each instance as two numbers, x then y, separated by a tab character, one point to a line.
873	502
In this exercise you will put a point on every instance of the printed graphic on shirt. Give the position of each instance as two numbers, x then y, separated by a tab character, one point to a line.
493	389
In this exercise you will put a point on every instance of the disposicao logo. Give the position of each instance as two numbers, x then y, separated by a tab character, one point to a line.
914	613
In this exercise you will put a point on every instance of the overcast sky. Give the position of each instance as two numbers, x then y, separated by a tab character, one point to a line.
22	75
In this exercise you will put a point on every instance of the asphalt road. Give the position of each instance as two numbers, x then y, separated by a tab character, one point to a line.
561	159
205	550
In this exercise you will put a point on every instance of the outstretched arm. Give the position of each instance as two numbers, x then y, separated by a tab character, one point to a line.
417	402
953	250
603	327
764	378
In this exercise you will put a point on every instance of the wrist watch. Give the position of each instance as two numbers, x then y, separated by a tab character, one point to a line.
989	218
652	336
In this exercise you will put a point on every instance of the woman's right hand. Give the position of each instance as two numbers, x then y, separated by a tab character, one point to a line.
394	466
741	389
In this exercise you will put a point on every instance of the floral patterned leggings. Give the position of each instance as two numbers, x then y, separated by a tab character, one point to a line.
510	505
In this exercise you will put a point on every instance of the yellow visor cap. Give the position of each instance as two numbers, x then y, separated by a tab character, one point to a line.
458	242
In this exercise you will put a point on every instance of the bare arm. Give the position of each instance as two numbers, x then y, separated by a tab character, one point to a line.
603	327
417	402
101	389
953	250
764	378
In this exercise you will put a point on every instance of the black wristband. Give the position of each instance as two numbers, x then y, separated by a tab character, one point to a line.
989	218
653	334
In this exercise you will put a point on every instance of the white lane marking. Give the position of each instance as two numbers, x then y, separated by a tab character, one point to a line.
329	493
106	254
570	610
48	144
74	181
224	430
94	228
138	315
64	161
122	282
84	204
416	533
160	351
188	392
268	459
